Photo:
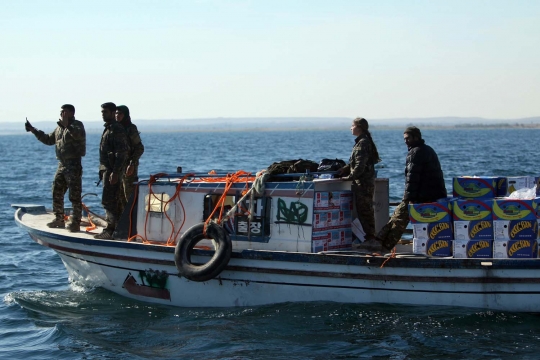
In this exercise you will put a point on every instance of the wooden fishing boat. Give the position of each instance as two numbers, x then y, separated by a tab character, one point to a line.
199	240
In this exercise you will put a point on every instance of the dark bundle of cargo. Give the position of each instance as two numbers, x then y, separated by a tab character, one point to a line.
329	165
297	167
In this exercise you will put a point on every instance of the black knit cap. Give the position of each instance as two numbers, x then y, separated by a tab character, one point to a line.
413	131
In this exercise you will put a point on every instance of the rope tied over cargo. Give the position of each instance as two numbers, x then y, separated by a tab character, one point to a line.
230	180
171	240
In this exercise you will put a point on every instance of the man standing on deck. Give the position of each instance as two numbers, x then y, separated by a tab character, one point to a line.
424	182
113	153
69	137
135	153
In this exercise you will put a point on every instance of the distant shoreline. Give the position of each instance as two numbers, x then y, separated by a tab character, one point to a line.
317	127
372	128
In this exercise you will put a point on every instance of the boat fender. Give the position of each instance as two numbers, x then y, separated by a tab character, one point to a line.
184	249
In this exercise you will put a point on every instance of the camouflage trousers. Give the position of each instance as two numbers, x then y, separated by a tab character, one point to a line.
68	176
110	199
127	187
363	200
391	233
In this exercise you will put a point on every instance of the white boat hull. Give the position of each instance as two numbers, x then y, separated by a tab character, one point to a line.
266	277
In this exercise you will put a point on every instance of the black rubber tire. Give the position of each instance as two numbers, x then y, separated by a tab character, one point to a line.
214	267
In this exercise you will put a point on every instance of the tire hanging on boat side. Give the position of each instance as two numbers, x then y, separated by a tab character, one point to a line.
184	248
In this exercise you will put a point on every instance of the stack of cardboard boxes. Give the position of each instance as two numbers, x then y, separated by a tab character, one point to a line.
432	228
332	218
515	228
486	223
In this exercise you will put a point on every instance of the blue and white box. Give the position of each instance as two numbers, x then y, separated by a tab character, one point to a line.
471	249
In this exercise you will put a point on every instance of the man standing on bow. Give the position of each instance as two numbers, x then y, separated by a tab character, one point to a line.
136	151
69	138
113	153
424	182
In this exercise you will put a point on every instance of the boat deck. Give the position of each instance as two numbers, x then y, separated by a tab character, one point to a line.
38	217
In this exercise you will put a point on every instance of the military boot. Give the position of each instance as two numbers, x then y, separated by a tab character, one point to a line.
104	235
57	223
74	226
371	245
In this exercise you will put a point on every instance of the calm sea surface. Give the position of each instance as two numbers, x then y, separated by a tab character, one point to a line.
42	316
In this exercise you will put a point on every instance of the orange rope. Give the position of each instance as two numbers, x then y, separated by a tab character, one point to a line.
88	228
171	241
230	179
392	256
92	225
239	174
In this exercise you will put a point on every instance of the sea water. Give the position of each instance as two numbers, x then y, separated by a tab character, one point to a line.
42	316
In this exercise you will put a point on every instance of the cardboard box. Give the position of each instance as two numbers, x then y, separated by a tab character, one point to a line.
502	186
321	200
319	245
340	239
471	249
433	231
514	209
515	249
432	247
439	211
473	230
320	241
515	229
334	199
319	220
345	201
536	182
332	219
345	218
472	209
475	187
518	182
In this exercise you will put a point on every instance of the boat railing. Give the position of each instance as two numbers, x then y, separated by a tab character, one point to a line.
308	176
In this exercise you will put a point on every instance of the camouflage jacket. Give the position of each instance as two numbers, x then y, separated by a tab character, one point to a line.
70	141
361	168
135	142
114	147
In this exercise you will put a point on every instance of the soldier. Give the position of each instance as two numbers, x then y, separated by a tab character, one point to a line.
69	137
113	153
136	150
361	170
424	182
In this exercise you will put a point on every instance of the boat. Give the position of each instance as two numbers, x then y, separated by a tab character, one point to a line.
236	239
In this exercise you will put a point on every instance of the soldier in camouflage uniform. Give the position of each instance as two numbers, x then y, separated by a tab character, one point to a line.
113	153
136	151
424	182
69	137
361	170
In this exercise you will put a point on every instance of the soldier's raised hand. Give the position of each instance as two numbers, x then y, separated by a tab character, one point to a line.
28	127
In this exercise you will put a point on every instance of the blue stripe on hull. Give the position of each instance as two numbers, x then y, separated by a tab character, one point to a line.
295	284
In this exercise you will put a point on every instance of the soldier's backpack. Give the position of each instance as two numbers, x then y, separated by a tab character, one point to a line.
292	167
330	165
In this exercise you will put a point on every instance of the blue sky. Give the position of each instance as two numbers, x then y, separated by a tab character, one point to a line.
201	59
